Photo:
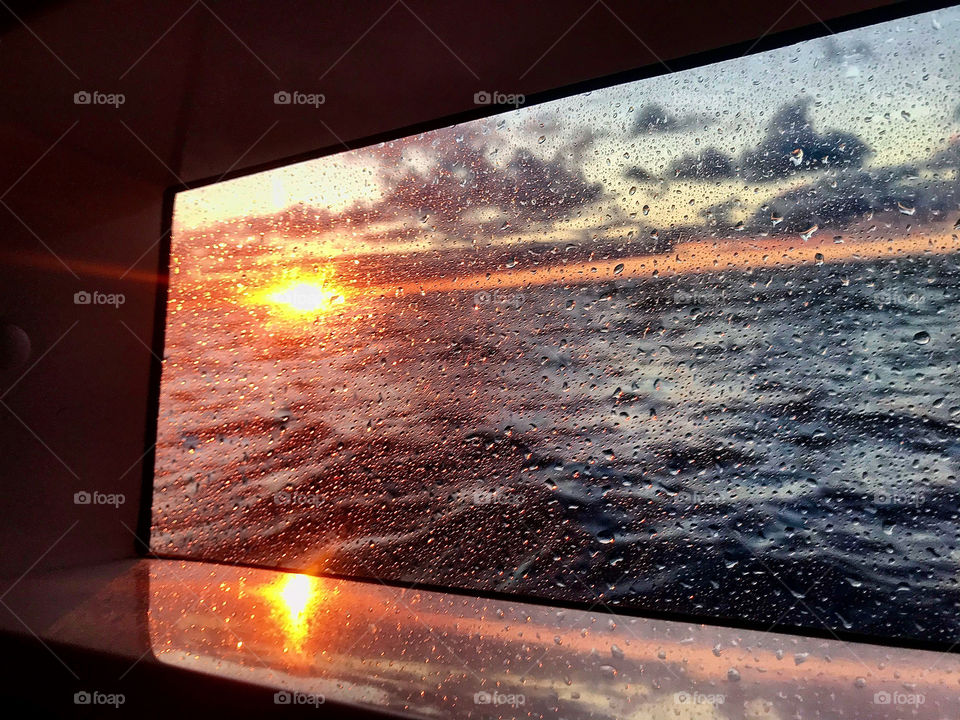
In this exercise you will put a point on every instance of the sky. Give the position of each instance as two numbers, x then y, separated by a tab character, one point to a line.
697	151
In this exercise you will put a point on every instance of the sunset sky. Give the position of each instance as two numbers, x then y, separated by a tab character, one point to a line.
879	103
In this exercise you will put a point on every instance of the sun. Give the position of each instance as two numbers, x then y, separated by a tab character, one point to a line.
306	297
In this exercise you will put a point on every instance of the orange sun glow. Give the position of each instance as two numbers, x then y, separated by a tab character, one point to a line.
306	297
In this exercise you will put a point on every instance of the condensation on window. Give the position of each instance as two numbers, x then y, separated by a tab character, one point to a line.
686	344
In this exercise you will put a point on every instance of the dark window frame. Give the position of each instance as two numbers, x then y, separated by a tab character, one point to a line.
766	43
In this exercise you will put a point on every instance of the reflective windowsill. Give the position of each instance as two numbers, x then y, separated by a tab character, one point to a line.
437	655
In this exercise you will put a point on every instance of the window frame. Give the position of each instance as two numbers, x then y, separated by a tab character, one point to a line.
772	41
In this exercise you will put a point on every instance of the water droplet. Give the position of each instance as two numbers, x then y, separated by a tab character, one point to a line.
605	537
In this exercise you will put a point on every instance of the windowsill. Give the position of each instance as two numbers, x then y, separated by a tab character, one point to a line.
429	654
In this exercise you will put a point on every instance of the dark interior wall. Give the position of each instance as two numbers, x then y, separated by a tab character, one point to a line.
81	185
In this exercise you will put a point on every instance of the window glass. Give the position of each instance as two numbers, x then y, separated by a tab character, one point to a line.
684	345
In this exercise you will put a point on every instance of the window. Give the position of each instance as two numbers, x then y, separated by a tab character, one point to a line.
685	345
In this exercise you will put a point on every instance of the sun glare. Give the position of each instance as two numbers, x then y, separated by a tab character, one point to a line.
306	297
294	599
296	594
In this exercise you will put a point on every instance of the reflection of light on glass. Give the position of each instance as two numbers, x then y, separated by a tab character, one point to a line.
296	594
294	598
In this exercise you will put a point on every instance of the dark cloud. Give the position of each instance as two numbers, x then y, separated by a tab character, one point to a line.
655	118
527	188
638	174
463	177
949	157
791	146
836	52
706	165
850	196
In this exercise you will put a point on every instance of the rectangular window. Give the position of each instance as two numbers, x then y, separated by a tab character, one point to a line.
682	345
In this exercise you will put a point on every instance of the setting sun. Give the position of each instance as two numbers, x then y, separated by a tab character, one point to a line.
306	297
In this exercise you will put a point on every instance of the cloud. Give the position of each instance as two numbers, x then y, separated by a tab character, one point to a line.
583	141
706	165
843	54
655	118
456	188
638	174
949	157
792	146
851	195
463	178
